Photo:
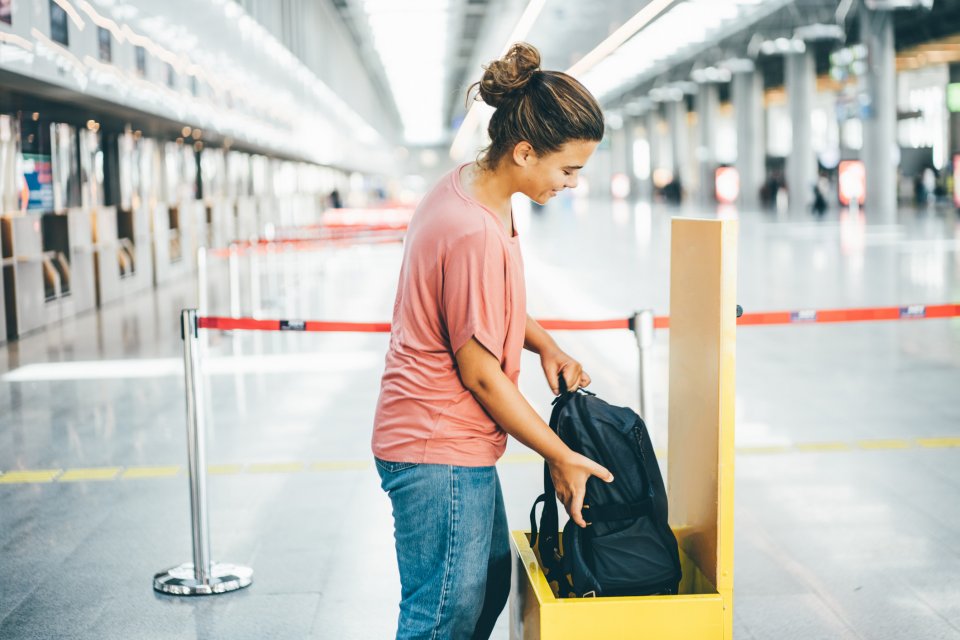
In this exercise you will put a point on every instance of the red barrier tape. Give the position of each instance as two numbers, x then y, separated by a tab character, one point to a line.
914	312
250	324
584	325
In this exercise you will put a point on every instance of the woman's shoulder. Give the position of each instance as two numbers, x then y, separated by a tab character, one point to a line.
445	212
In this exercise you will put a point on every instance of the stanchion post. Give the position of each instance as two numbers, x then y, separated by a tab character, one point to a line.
642	326
202	576
255	283
233	263
202	280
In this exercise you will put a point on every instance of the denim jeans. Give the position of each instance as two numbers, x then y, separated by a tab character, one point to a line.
453	548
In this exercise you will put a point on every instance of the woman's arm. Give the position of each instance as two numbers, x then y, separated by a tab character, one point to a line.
553	360
480	372
536	338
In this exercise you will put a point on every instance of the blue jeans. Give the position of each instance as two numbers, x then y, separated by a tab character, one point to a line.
453	548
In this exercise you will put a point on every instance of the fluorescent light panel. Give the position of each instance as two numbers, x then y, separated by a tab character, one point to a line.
411	39
685	24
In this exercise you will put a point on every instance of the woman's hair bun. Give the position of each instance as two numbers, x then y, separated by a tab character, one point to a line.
509	74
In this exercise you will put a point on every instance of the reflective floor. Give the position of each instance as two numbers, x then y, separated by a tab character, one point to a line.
848	464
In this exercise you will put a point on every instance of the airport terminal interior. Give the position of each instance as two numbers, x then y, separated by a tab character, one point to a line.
256	164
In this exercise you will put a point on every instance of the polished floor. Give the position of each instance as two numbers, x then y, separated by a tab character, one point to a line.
848	464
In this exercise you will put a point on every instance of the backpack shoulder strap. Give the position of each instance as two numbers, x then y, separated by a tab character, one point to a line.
546	536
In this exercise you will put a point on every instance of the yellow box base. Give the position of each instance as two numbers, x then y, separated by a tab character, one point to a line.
696	613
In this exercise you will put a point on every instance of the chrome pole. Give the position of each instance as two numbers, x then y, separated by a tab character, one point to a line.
233	264
255	282
202	280
642	326
201	577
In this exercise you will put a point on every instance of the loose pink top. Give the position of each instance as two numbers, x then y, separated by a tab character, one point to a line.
461	277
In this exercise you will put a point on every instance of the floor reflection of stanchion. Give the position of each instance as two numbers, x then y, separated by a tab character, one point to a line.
642	326
202	576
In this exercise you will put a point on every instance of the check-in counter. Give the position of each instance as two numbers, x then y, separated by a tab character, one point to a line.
175	232
247	225
267	213
83	282
166	248
223	222
23	274
134	250
106	258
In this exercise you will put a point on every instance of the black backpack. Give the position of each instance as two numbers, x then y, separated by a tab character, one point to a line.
628	549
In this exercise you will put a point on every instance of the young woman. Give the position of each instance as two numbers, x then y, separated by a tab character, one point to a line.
449	393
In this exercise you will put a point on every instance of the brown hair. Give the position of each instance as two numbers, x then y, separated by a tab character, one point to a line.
544	108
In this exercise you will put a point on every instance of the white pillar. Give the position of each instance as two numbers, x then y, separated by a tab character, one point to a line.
751	148
707	104
677	121
880	125
802	162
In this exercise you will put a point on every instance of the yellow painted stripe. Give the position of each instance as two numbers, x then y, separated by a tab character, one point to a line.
515	458
95	473
276	467
884	444
938	443
769	449
150	472
224	469
340	465
21	477
823	446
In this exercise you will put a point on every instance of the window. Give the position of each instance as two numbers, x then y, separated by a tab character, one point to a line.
141	57
103	38
170	75
58	24
6	14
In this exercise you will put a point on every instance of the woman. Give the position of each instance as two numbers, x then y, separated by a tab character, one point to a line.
449	393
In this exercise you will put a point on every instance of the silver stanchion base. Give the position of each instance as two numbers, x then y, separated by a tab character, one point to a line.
180	581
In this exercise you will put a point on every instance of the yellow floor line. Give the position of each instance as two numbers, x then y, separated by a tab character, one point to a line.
340	465
276	467
515	458
97	473
37	476
150	472
31	477
768	449
885	444
224	469
823	446
938	443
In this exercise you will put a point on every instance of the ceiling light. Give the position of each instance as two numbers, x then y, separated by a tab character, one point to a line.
414	65
678	31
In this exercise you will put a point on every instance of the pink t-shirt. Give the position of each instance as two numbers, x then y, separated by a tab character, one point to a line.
462	277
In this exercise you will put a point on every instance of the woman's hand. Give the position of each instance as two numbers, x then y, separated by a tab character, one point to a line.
556	363
570	475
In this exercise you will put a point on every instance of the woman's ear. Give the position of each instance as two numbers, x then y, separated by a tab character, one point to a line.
523	153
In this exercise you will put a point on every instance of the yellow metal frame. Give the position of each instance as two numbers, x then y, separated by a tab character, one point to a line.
699	470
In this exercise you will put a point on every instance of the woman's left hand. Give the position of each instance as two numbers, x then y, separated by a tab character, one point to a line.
555	363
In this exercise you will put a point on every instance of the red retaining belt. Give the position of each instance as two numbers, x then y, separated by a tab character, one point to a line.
913	312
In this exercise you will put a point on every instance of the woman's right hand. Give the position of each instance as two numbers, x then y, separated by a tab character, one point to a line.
570	474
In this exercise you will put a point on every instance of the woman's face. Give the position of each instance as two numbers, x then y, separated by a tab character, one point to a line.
543	177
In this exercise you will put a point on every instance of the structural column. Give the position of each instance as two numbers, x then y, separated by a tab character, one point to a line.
708	104
880	124
677	122
748	107
802	162
618	153
652	125
629	137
